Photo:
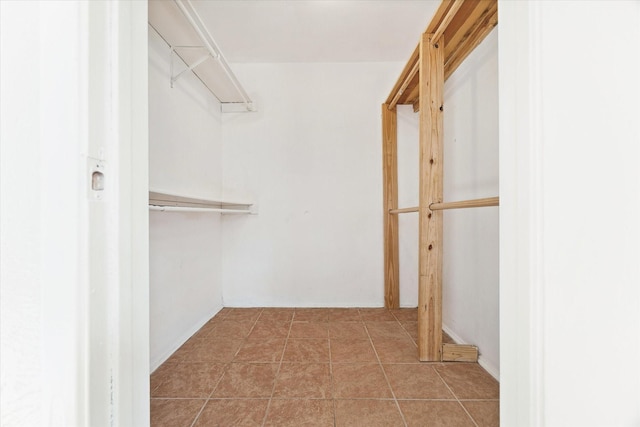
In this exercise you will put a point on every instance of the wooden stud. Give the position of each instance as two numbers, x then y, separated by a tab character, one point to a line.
459	353
430	222
390	202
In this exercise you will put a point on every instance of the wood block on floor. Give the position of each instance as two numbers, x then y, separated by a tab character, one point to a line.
459	353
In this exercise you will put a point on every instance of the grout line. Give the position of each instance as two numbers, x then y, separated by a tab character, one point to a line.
333	397
384	373
456	397
333	394
275	379
468	414
226	367
403	399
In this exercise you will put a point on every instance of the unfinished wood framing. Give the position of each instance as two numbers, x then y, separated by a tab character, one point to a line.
464	204
430	222
390	195
457	27
459	353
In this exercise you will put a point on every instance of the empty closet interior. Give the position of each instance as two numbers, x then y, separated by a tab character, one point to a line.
266	178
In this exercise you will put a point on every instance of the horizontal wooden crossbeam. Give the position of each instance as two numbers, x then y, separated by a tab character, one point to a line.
464	24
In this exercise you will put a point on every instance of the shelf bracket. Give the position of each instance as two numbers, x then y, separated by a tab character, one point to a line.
175	77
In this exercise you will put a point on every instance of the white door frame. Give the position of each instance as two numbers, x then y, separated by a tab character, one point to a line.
118	306
521	219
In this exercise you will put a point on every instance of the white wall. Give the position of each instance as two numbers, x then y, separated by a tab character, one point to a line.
61	268
185	157
471	236
471	246
41	243
570	209
311	158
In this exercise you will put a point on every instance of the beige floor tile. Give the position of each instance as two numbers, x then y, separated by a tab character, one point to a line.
392	350
182	354
391	330
307	351
250	314
311	315
304	380
297	413
220	351
469	381
359	381
174	412
411	328
231	329
232	412
247	380
348	330
405	314
160	375
370	413
486	413
436	413
344	315
329	364
277	315
189	380
261	350
352	351
270	329
415	381
376	315
309	330
204	332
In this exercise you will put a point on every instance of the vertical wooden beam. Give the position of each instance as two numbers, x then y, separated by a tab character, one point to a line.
430	222
390	201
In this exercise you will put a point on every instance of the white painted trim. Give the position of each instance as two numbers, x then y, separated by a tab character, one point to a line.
118	301
521	225
134	99
157	361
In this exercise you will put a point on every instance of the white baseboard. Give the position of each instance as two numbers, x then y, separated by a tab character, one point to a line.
493	370
160	359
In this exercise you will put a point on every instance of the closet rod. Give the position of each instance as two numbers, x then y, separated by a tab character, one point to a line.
403	210
475	203
188	209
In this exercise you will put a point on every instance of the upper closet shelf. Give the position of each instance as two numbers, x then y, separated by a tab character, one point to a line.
163	201
178	23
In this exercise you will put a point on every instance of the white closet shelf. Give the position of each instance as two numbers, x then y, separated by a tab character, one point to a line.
171	202
179	24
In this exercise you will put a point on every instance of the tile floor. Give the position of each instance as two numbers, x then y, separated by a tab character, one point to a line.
316	367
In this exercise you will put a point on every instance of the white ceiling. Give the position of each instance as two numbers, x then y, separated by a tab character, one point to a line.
316	30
